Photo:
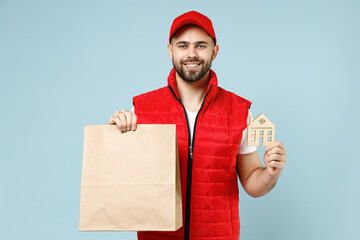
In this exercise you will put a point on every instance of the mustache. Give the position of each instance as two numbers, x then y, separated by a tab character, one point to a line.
192	60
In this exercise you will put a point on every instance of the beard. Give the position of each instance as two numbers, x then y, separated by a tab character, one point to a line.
192	75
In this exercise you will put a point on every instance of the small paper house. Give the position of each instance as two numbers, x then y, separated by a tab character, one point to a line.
260	131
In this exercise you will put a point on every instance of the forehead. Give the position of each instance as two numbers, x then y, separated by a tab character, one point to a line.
191	33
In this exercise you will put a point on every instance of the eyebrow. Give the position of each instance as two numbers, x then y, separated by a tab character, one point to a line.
197	43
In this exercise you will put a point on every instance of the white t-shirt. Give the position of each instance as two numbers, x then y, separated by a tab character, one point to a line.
243	149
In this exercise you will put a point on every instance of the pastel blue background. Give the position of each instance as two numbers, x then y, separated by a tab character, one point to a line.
66	64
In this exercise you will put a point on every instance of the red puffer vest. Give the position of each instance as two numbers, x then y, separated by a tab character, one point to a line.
210	194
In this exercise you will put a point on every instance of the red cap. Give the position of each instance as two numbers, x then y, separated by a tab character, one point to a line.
195	18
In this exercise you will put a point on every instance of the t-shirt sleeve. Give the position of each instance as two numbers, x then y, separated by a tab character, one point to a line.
244	148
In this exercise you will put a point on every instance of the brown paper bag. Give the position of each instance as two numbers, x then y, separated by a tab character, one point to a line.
130	181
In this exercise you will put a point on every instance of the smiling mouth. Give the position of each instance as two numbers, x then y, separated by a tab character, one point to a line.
192	65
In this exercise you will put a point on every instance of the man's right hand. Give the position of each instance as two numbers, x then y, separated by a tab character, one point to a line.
124	119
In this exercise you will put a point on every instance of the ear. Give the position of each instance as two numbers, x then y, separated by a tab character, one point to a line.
215	51
169	51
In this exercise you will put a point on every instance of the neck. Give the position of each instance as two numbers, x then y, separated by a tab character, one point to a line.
192	93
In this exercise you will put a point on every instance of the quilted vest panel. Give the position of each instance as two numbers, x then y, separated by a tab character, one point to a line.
209	186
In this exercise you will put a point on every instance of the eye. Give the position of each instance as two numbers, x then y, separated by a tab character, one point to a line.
201	46
182	46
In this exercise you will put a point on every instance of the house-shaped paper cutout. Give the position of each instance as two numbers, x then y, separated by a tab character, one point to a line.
260	131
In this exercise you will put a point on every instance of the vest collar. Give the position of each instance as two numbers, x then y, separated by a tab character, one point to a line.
210	89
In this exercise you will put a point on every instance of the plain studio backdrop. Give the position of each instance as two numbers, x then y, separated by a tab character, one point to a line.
67	64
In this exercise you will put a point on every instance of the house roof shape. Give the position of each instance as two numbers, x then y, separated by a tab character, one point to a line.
257	123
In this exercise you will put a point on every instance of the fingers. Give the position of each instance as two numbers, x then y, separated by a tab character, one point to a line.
115	120
124	119
130	120
134	122
275	144
275	168
112	121
276	154
275	158
276	148
276	164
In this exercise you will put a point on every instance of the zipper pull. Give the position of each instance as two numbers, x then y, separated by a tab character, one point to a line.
191	152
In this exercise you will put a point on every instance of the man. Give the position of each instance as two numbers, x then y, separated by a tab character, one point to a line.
211	133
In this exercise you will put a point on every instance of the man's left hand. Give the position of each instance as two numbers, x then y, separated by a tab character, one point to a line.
275	158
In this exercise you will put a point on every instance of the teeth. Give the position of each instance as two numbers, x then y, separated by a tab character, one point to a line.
191	65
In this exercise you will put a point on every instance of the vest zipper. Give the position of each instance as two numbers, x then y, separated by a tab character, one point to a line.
190	164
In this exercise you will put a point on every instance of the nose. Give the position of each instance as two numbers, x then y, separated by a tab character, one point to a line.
192	52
